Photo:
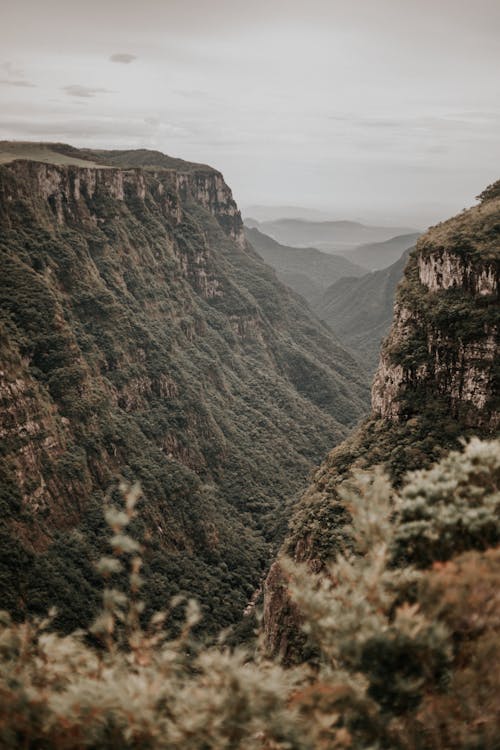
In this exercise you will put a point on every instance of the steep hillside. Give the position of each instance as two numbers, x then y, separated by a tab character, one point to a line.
378	255
142	337
438	380
359	310
330	236
306	270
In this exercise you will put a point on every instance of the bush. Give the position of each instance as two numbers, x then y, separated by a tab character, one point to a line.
388	673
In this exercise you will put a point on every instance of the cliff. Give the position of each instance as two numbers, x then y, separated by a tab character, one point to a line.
141	337
444	338
437	382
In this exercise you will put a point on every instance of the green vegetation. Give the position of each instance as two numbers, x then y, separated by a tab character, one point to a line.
444	344
405	658
490	193
140	345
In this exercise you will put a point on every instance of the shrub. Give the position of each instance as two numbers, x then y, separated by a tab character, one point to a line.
388	673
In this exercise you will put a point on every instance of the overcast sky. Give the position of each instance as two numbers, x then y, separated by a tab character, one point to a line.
374	109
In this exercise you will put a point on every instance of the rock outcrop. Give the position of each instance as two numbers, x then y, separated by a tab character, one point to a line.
69	189
444	338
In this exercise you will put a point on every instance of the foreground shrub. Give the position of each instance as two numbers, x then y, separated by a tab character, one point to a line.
404	658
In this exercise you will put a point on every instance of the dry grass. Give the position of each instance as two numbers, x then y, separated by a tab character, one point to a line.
42	152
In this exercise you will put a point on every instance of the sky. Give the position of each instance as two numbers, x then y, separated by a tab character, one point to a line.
379	110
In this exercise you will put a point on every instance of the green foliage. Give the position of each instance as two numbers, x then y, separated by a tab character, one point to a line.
388	674
490	193
450	508
129	368
141	688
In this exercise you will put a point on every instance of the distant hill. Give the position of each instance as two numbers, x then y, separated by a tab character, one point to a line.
306	270
272	213
375	255
329	236
360	310
252	223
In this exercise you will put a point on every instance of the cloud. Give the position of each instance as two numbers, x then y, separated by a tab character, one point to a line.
123	57
107	131
20	83
11	71
14	76
84	92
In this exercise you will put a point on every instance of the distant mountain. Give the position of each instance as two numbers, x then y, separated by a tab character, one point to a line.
375	255
329	236
272	213
306	270
252	223
360	310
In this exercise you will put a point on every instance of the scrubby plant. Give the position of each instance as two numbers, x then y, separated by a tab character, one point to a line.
452	507
139	688
405	658
383	651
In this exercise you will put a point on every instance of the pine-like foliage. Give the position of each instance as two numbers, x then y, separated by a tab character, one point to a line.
452	507
404	658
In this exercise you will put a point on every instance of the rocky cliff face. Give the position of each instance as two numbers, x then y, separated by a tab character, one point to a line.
142	337
69	190
437	381
444	339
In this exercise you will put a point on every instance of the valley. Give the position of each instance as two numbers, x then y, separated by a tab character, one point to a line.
170	385
249	375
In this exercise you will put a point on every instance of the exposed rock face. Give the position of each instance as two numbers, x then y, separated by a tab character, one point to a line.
141	336
445	270
444	338
281	618
437	381
68	189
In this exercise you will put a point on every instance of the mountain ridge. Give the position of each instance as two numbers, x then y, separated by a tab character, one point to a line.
360	309
329	236
379	255
307	270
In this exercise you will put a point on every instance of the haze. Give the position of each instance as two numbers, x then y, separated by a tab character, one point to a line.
383	110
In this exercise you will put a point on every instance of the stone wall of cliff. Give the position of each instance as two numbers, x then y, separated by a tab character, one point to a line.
444	338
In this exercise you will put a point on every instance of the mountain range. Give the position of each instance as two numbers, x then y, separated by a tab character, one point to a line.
378	255
356	304
329	236
306	270
163	399
360	309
